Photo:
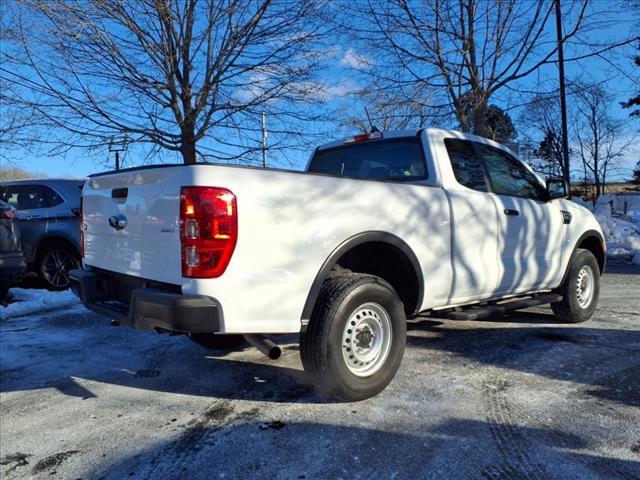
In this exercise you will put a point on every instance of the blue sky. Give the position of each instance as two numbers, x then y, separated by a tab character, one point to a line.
613	69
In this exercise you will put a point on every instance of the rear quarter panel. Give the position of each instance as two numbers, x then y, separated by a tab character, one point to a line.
289	223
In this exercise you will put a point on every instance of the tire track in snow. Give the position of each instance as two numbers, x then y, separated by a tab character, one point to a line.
516	462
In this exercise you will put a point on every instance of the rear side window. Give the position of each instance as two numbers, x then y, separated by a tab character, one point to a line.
395	159
466	165
508	176
28	197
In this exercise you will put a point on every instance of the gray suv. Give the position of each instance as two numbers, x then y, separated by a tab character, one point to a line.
12	264
49	222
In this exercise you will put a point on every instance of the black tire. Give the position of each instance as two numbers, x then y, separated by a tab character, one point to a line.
54	262
212	341
570	309
322	344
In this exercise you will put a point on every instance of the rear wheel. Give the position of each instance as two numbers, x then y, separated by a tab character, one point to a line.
54	262
212	341
580	289
356	337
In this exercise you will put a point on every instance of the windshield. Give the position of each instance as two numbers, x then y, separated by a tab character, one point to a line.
395	159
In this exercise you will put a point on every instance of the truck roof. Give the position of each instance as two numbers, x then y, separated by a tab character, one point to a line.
430	131
385	134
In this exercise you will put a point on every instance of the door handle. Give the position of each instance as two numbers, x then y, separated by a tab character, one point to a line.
509	211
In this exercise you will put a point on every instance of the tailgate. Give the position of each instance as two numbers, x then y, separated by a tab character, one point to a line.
131	222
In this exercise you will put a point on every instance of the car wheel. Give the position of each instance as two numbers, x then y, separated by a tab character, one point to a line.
356	337
54	263
580	289
212	341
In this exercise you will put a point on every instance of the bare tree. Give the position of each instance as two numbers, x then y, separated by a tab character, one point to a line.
599	138
188	76
462	53
542	135
15	125
386	112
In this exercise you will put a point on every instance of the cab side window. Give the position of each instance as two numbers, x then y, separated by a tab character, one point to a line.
508	176
401	160
466	165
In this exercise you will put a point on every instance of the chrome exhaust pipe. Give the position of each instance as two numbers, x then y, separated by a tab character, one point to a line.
265	345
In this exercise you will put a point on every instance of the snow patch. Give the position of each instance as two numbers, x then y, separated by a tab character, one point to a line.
29	301
622	232
622	236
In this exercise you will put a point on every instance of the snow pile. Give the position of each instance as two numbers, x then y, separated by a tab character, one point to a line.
622	232
28	301
634	215
622	237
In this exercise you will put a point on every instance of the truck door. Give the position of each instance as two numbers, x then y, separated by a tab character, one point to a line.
474	226
530	227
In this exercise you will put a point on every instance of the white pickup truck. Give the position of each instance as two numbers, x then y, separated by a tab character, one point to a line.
380	228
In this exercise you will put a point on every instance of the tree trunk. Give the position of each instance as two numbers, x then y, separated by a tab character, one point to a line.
188	144
480	126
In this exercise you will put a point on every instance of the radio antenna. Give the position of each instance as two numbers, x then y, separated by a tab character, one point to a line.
374	129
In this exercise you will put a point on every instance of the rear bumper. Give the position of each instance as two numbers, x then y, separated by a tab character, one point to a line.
12	265
149	307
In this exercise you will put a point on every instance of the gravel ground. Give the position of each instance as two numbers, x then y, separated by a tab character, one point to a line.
519	397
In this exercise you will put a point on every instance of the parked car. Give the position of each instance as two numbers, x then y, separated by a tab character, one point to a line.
381	228
12	263
49	221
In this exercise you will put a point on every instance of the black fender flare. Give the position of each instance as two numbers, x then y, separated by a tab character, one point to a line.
344	247
582	238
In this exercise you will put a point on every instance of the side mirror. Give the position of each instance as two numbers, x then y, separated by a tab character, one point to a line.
557	188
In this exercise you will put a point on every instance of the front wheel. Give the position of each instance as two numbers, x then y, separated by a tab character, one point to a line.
356	337
580	289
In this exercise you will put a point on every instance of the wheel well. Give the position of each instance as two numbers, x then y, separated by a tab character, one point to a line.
57	240
389	263
595	246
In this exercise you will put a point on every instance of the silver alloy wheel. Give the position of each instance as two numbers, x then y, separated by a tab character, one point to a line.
585	286
56	265
366	339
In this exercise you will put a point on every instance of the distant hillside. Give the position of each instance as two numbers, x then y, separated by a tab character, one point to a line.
17	173
586	191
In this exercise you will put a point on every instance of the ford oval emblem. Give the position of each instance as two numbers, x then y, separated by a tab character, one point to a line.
118	222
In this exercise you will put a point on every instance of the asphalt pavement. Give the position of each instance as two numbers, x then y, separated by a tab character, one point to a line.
514	397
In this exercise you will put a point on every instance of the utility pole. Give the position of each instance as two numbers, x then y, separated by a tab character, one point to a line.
118	145
264	140
563	95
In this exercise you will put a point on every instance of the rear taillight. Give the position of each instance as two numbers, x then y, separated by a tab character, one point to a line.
81	226
208	230
9	213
